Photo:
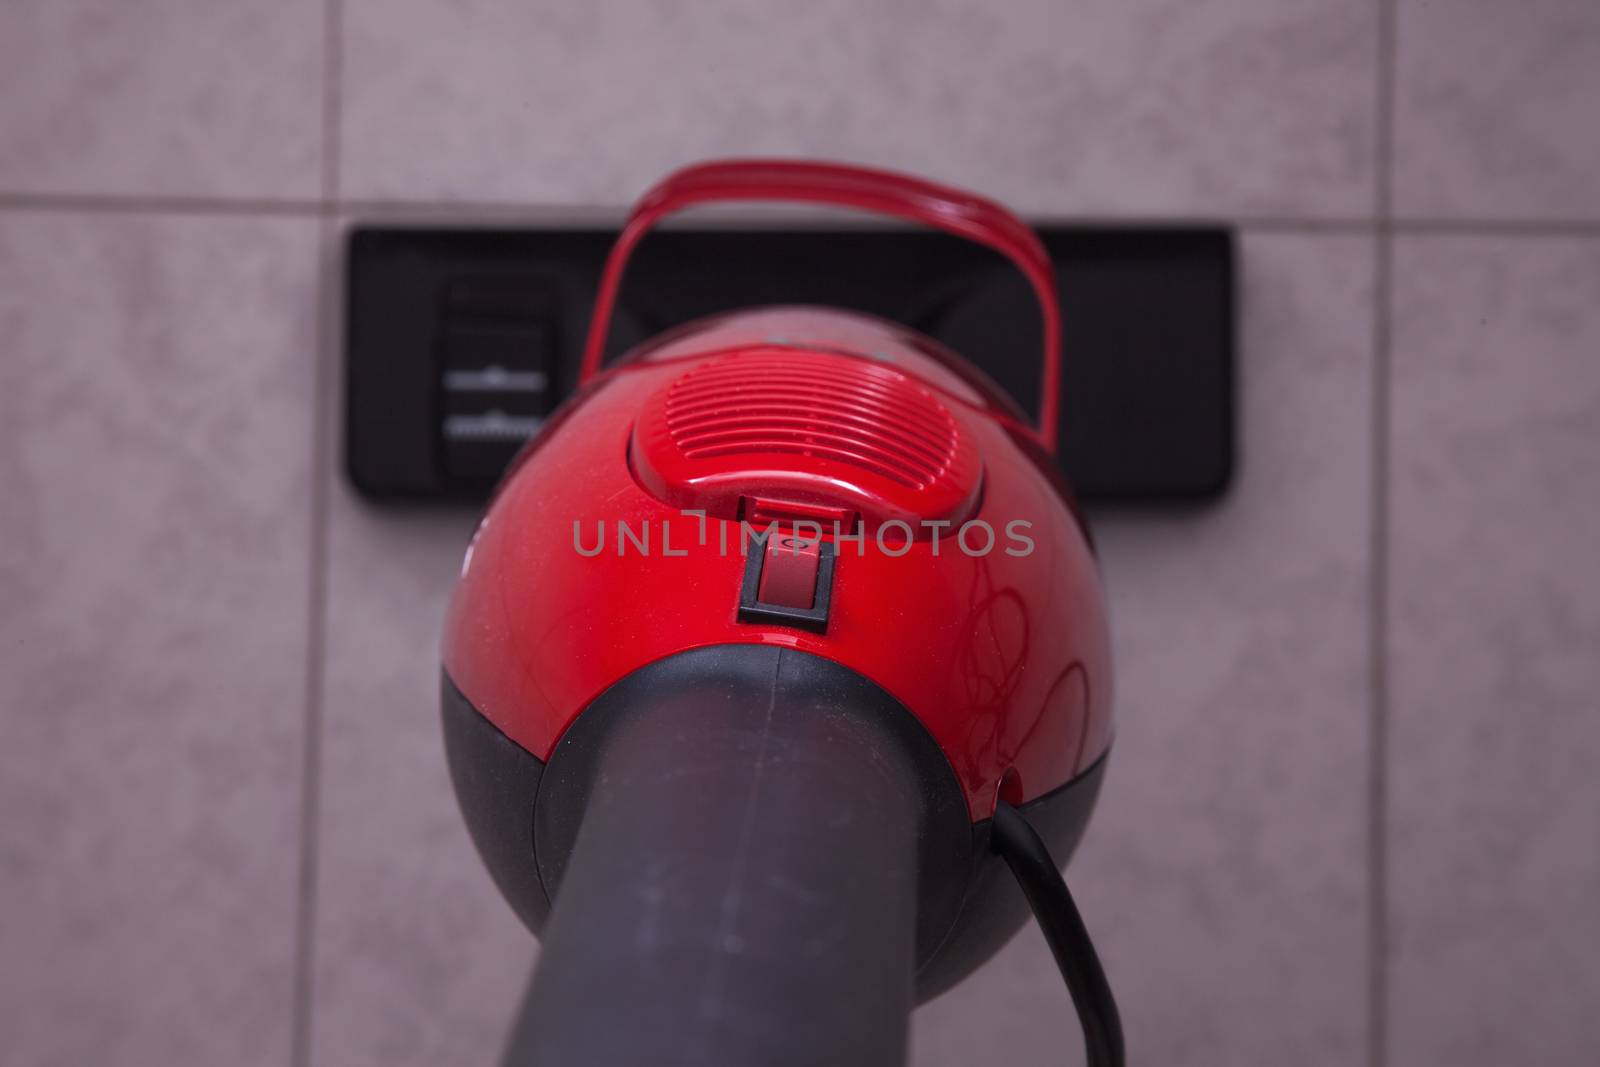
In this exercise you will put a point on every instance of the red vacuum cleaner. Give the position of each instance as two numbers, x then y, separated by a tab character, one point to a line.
776	648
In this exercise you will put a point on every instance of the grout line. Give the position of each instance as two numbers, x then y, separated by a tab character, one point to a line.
1495	227
600	215
332	101
1378	636
1378	651
1291	225
316	652
317	609
467	212
1384	119
576	216
157	205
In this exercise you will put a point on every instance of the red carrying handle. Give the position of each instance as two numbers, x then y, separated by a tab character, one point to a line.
882	192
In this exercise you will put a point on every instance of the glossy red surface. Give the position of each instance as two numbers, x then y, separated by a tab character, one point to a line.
1004	657
766	422
789	571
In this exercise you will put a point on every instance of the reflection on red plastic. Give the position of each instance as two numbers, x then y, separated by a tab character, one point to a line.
1003	656
824	430
789	571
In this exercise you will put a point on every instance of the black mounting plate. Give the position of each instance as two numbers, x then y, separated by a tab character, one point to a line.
460	341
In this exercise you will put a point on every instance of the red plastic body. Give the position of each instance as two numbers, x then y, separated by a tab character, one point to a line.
837	437
588	565
1003	657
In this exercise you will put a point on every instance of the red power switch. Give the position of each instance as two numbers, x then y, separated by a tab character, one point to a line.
789	572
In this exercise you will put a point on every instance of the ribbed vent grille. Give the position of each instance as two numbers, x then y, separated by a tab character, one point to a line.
846	410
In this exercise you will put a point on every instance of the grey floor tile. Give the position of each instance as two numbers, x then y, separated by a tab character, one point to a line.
1260	106
1495	109
418	959
1224	874
1495	649
171	98
155	447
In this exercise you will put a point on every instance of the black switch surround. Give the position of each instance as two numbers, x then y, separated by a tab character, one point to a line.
753	609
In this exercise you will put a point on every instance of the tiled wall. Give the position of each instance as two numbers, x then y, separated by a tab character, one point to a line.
1354	813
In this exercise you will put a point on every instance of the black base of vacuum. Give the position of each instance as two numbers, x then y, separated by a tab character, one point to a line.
969	905
461	342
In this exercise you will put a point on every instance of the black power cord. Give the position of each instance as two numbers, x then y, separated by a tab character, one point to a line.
1024	851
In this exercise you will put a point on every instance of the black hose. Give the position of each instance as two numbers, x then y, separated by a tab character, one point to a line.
1024	851
743	887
